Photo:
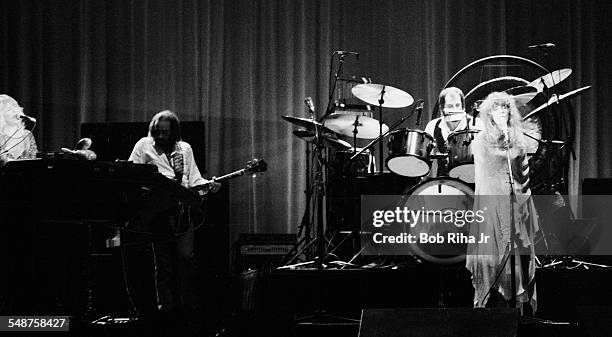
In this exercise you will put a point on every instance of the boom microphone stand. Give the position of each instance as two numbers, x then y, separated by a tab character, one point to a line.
319	161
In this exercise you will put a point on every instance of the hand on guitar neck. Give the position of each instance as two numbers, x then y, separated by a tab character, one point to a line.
211	186
253	166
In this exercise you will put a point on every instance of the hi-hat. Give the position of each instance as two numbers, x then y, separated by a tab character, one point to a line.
392	98
306	123
367	128
550	79
328	141
556	99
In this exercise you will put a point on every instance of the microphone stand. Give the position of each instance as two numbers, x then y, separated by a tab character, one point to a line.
319	313
512	228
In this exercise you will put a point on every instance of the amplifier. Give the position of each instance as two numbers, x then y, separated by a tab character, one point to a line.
266	244
263	250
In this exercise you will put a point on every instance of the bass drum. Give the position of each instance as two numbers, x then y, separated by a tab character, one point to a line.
449	196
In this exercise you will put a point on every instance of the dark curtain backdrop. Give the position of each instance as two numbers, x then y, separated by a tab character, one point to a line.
240	65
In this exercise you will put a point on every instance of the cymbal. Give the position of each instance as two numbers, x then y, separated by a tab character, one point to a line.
523	89
306	123
393	97
344	124
328	141
523	99
550	79
556	99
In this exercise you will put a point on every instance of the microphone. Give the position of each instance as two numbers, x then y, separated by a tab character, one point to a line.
419	109
543	46
310	105
345	52
28	122
27	118
502	124
475	112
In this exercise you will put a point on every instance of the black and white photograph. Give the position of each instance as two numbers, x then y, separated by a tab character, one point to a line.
298	168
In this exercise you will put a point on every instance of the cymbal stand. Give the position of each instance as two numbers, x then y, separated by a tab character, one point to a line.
569	141
417	106
306	223
318	186
381	101
391	128
355	132
319	314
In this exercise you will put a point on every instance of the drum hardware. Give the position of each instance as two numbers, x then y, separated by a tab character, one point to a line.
308	125
320	181
556	99
342	166
345	124
375	94
409	151
545	141
521	89
419	196
550	80
329	141
379	138
461	158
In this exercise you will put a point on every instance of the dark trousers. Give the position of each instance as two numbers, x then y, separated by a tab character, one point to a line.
175	270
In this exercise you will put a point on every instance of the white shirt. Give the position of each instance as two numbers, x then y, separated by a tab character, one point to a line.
430	127
144	152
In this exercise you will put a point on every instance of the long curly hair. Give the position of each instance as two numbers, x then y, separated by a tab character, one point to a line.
175	125
6	104
492	133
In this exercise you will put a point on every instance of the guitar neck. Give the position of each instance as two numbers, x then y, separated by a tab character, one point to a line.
230	175
255	165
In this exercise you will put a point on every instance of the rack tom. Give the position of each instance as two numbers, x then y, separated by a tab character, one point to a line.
409	152
460	156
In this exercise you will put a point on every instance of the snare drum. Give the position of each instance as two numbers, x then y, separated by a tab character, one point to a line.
460	156
409	152
444	194
364	164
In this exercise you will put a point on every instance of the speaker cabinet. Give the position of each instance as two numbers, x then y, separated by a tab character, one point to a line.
424	322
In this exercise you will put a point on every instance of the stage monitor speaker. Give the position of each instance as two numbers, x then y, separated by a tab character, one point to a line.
424	322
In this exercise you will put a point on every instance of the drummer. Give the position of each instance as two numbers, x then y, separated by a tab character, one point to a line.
454	118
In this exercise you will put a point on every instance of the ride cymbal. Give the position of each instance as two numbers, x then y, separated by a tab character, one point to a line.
557	99
392	98
551	79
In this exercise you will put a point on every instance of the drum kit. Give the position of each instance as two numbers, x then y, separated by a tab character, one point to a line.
411	152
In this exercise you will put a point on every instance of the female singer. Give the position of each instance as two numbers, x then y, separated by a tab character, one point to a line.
500	145
15	141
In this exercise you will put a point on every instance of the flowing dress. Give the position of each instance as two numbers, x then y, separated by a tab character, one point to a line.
492	194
